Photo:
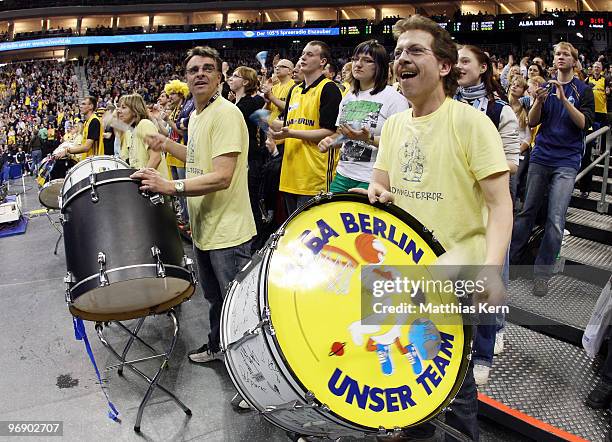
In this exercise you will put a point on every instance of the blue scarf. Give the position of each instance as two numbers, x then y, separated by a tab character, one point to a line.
474	95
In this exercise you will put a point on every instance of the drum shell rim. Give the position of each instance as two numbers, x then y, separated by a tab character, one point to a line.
261	266
436	247
79	190
45	186
134	314
92	282
91	160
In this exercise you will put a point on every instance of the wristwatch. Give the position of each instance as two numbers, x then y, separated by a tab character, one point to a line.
179	187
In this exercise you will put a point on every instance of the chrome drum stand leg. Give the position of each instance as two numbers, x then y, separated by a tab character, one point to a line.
165	357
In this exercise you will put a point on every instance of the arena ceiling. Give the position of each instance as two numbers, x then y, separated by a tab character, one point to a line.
16	9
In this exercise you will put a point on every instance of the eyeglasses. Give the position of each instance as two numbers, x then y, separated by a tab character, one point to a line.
207	68
362	60
414	51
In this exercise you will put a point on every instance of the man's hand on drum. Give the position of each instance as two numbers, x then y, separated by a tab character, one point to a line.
375	192
156	142
153	182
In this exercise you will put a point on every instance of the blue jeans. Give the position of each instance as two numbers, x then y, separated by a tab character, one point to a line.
558	182
217	269
36	158
462	415
490	325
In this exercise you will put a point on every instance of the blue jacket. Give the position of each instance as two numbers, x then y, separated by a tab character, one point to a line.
560	143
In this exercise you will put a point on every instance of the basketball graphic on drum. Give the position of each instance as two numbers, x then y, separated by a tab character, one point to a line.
312	343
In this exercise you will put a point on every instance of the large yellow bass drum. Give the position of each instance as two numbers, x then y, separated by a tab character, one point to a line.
301	344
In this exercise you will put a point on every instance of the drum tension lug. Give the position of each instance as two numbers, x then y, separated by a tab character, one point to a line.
294	405
94	194
382	431
250	333
188	263
156	199
102	277
159	266
68	280
63	218
268	322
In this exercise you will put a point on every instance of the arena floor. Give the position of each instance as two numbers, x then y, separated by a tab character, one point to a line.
47	375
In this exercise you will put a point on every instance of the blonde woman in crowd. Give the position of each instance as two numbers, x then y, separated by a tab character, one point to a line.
133	112
520	105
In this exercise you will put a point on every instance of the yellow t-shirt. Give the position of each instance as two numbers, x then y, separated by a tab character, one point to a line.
347	88
305	170
126	140
171	160
280	91
224	218
138	151
434	165
599	92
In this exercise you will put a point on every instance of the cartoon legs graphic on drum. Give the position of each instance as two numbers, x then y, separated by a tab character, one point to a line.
164	357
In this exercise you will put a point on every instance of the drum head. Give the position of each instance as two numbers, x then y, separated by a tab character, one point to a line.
49	194
125	300
90	166
394	369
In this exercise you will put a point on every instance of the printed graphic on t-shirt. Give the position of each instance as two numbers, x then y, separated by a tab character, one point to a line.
366	114
191	169
412	161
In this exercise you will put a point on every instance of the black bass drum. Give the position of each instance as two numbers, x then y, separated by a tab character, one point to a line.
124	255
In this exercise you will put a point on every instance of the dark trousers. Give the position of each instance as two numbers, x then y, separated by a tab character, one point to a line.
607	367
36	159
217	269
294	201
462	415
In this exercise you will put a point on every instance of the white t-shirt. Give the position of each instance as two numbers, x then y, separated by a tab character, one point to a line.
357	158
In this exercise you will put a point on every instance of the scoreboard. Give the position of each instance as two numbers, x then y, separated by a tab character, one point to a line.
501	23
509	23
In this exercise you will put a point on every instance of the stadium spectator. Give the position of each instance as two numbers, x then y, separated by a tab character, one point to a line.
311	116
565	108
478	89
244	85
363	112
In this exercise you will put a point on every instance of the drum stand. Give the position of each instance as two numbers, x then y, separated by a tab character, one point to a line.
165	357
54	225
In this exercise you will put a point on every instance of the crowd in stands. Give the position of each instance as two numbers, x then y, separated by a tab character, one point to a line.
111	75
40	100
39	103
